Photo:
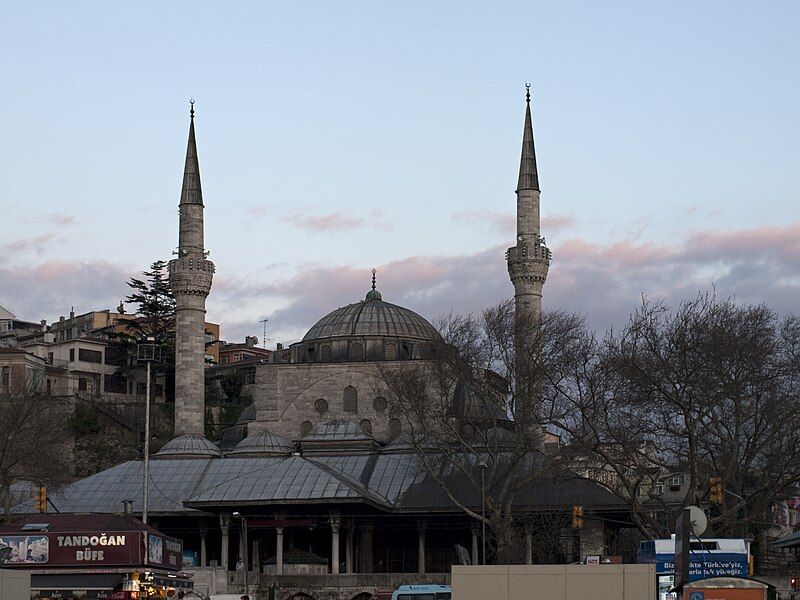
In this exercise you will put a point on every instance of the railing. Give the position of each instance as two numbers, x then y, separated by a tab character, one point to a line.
343	580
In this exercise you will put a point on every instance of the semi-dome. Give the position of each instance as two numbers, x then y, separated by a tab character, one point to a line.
373	317
188	445
263	443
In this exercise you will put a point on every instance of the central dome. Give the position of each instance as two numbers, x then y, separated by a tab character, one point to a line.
373	317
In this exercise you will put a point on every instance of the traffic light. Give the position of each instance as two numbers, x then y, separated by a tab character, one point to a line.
577	517
41	498
715	491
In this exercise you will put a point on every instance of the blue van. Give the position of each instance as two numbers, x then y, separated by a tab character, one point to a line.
422	592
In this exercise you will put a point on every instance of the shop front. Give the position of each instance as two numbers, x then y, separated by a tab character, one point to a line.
88	557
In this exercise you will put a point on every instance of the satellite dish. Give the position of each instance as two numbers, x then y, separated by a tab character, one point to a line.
698	520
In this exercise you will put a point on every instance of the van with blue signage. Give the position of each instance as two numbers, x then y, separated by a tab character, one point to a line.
708	557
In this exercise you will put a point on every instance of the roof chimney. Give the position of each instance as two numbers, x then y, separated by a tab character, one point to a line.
127	507
72	313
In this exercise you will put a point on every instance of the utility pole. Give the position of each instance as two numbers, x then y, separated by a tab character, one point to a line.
147	352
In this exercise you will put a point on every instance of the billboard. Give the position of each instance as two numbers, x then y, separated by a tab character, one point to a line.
164	551
26	549
60	549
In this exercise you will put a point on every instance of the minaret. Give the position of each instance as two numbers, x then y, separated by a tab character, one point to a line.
529	259
190	279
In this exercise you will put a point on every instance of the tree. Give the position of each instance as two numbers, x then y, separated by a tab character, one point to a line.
33	436
461	408
154	317
709	389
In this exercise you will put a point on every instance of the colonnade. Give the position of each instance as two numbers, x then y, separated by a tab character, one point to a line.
340	527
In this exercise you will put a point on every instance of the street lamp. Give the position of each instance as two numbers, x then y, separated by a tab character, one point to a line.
245	544
482	465
147	352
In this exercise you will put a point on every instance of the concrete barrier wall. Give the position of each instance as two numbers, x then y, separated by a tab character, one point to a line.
15	585
554	582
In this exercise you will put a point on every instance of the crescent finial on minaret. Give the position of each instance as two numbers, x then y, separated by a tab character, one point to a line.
373	278
527	92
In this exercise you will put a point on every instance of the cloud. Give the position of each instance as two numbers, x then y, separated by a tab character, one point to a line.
60	219
602	282
327	223
49	289
506	223
36	244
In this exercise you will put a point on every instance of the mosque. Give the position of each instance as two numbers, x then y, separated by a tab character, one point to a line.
319	466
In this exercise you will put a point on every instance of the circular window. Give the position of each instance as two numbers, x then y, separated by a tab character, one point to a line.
305	428
380	404
394	428
325	353
366	426
321	406
390	352
356	351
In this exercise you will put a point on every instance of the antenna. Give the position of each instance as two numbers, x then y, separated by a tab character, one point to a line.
264	337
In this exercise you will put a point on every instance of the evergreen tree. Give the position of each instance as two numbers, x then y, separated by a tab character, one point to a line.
155	317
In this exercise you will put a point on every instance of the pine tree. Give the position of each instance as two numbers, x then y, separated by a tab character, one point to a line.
155	317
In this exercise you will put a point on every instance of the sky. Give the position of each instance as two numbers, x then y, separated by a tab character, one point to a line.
339	137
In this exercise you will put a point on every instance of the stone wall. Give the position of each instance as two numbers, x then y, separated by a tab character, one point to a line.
290	398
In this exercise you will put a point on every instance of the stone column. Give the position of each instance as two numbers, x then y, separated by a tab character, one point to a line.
224	524
421	547
528	545
475	557
335	526
255	559
203	553
592	538
366	548
348	548
279	550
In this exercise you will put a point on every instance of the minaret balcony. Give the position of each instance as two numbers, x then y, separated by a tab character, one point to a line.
529	252
528	263
191	275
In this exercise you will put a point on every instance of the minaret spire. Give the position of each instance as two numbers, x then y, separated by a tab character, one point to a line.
190	276
528	173
528	264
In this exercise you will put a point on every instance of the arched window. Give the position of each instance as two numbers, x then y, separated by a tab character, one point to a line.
366	426
305	428
350	400
325	353
390	351
394	428
321	406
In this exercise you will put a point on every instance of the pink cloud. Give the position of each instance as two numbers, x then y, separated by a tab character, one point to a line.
327	223
36	244
603	282
506	223
61	219
49	289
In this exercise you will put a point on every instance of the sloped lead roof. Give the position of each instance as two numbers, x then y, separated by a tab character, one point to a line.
373	317
393	482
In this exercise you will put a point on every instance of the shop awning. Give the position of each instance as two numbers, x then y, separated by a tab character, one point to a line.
91	586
